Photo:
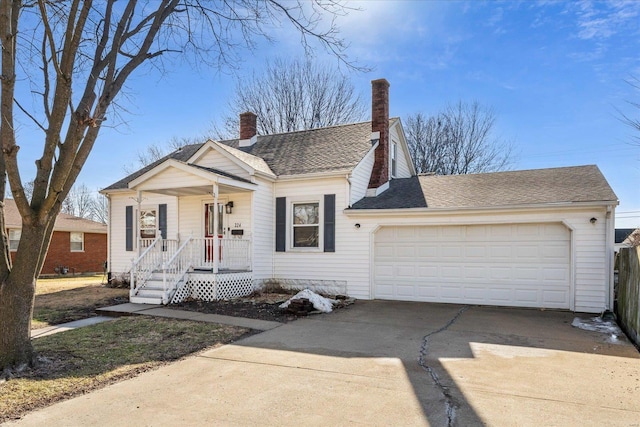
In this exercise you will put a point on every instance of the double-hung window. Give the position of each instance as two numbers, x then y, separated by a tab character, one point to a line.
394	160
14	239
306	225
148	223
76	241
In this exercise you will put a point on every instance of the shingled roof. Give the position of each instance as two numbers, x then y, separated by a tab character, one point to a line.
64	222
528	187
335	148
330	149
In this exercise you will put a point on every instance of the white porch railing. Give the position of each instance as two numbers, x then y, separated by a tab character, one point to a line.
165	258
233	254
174	270
156	251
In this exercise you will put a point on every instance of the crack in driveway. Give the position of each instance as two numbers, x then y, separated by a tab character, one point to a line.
450	402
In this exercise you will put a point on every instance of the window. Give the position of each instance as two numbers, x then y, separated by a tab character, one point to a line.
148	224
14	239
306	225
394	163
77	242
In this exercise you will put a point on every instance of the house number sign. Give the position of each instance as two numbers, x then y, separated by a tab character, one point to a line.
237	224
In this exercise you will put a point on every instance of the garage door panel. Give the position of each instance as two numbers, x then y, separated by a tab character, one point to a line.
500	273
450	272
527	252
519	264
427	272
475	251
473	272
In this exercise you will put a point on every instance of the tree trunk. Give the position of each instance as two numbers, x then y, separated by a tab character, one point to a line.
16	310
17	294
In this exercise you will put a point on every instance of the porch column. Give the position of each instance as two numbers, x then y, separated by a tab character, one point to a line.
216	241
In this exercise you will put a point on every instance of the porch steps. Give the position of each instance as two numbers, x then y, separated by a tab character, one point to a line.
152	291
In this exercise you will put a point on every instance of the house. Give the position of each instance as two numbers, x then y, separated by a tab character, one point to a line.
341	209
626	238
77	246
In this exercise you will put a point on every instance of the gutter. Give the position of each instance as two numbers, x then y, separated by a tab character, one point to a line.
427	210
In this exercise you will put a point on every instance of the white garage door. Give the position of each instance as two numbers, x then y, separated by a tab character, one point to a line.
523	265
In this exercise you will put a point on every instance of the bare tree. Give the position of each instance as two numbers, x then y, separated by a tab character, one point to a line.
457	140
292	95
77	56
100	208
155	152
79	202
633	122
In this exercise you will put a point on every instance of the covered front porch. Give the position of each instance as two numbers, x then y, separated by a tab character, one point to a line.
199	244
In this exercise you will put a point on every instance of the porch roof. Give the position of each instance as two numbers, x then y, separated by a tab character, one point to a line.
176	178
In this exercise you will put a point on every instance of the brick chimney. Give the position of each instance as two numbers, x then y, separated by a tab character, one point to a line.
248	129
380	124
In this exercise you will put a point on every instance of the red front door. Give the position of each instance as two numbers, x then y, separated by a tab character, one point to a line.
209	229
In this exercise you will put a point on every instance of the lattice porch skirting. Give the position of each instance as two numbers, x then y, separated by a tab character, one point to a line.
211	287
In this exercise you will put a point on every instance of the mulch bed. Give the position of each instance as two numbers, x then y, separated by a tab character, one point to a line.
259	305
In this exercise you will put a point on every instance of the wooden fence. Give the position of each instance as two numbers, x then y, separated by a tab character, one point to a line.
628	301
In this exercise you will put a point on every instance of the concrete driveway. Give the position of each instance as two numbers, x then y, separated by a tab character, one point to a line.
385	363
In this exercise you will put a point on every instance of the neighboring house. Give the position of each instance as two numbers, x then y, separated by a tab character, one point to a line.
77	245
341	209
626	238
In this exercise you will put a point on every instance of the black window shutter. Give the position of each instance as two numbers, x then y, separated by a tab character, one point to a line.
129	227
162	220
329	222
281	223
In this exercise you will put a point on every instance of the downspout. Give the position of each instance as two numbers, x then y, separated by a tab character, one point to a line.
273	234
109	240
136	222
609	251
348	178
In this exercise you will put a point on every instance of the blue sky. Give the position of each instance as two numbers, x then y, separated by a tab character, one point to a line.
554	72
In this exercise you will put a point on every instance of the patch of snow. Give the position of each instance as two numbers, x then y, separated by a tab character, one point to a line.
319	302
598	324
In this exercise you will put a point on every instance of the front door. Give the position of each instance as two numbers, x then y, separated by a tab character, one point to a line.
210	231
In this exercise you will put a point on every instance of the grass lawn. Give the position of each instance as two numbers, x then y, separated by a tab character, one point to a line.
67	299
76	361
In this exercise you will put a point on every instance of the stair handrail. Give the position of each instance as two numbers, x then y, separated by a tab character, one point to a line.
176	267
135	263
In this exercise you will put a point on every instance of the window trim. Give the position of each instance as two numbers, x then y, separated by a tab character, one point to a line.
394	159
19	231
71	241
139	223
291	201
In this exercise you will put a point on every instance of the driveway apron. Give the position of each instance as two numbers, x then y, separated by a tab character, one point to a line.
385	363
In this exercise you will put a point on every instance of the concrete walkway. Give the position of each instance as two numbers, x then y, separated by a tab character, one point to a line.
384	363
161	311
129	309
50	330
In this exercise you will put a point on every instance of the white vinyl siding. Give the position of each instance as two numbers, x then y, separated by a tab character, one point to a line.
120	258
216	160
588	246
403	170
263	222
191	212
360	177
338	266
173	178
